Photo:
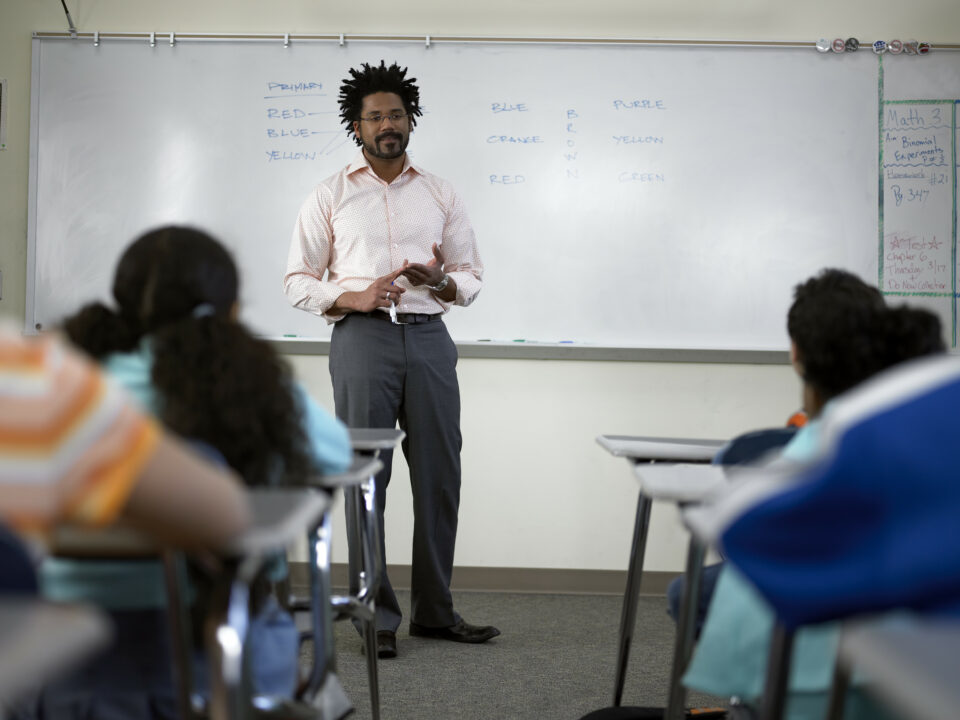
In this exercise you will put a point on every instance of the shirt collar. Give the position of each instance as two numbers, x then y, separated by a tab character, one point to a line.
360	162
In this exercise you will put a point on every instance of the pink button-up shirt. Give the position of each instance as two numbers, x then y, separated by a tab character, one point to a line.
355	228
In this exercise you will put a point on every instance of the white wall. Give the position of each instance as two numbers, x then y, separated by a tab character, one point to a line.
537	489
538	492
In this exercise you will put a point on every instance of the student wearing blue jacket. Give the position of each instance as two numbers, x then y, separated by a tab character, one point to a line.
842	333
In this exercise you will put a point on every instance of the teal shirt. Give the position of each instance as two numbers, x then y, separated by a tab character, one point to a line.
125	585
328	438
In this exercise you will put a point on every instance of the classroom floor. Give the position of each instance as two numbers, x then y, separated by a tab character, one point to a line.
554	659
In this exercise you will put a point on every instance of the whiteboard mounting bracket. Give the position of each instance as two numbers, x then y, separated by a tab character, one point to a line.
96	38
153	39
173	39
286	40
428	41
73	28
342	40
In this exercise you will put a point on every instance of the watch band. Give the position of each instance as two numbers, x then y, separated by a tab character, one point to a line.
440	286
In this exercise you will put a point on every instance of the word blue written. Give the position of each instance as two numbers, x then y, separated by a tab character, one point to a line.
298	133
507	107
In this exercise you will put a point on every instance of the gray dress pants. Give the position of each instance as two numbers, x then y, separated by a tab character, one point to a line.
384	374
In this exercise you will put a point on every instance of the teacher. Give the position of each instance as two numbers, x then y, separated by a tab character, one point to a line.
398	252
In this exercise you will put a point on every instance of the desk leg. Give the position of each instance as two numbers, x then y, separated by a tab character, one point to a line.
226	636
361	504
324	656
686	628
628	617
374	567
778	673
838	690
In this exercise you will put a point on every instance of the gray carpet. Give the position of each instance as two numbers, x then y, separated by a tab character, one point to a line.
555	659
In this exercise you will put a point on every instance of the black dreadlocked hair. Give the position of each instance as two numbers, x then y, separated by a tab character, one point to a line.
372	79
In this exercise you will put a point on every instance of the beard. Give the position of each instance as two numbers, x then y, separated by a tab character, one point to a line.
382	148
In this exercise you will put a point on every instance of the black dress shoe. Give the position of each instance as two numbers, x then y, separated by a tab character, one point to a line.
461	632
386	644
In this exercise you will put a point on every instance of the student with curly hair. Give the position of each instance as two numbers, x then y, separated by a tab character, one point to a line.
388	235
174	342
841	334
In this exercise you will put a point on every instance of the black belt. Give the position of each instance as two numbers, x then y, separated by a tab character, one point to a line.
406	318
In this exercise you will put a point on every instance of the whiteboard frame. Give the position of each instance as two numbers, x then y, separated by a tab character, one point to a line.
342	38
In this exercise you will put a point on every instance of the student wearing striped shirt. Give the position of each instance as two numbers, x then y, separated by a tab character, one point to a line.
75	449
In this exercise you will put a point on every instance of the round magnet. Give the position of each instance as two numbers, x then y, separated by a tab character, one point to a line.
852	45
923	48
880	46
895	47
910	47
839	45
823	45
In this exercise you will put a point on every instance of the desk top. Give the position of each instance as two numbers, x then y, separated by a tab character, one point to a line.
370	439
280	516
681	483
913	667
40	640
361	468
660	449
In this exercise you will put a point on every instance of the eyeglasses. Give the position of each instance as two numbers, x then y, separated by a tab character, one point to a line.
394	117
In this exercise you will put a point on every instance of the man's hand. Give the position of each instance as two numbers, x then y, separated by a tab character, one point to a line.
430	273
380	293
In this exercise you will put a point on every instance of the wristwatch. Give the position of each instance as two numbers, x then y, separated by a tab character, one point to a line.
439	287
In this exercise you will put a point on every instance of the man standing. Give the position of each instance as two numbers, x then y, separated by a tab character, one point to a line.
398	251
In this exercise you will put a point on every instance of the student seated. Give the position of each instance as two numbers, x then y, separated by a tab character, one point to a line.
75	449
175	343
841	333
829	324
745	449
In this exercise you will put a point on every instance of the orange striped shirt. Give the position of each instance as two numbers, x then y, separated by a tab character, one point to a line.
72	445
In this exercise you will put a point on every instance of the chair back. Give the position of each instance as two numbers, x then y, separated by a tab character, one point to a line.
751	446
18	575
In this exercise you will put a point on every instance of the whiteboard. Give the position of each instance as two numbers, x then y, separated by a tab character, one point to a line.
622	195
